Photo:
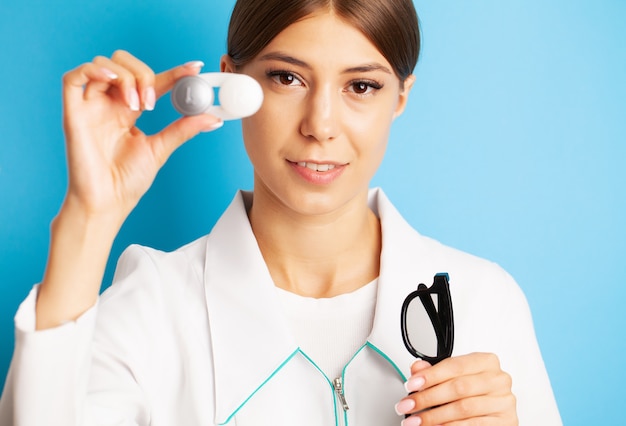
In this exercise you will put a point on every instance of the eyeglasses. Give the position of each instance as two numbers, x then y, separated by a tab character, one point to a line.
428	332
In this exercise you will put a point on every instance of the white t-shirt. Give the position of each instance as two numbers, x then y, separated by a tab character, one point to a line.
331	330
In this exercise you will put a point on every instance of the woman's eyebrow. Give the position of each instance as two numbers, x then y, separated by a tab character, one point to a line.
282	57
368	68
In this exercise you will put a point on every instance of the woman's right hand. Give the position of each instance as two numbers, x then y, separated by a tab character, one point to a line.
111	162
111	165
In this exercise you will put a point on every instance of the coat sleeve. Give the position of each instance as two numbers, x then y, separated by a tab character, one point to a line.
47	379
492	314
72	375
521	356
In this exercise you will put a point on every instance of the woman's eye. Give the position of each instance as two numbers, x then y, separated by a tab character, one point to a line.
360	88
364	87
285	78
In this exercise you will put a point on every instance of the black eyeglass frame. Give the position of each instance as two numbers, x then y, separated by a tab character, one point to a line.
442	317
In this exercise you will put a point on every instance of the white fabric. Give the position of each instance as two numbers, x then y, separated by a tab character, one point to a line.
197	337
331	330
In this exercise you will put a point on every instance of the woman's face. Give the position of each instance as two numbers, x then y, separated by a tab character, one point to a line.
330	99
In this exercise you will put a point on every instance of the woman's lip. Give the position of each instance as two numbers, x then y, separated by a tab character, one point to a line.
304	163
318	172
317	167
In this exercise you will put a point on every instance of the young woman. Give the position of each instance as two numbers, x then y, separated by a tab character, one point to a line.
287	312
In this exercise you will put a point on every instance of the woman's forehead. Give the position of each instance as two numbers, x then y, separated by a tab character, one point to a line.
324	37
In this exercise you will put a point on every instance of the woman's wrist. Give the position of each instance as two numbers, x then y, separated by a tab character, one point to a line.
80	244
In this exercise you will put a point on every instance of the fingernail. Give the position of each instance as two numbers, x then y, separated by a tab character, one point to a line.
214	126
404	406
150	99
412	421
194	64
133	100
414	384
110	74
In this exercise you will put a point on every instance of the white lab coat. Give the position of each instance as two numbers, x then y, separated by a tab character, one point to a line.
197	337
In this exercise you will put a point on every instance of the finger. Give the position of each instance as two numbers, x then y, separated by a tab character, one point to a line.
487	410
486	383
419	365
452	380
169	139
143	75
125	83
74	81
459	366
165	80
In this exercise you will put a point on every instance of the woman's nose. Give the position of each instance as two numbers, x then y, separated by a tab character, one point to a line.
322	115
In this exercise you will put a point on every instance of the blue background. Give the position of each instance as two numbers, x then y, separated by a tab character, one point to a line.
512	148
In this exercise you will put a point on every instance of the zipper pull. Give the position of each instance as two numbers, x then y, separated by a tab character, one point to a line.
339	391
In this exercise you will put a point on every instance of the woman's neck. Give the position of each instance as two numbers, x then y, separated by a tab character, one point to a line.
318	255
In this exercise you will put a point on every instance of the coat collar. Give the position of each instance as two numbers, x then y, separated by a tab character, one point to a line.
402	267
249	336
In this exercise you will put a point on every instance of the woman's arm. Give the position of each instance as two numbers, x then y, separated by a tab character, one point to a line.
111	164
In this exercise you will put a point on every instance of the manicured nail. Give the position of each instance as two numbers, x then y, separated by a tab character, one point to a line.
133	100
412	421
404	406
110	74
414	384
194	64
214	126
150	99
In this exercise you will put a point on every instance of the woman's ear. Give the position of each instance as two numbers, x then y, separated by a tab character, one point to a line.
404	95
226	64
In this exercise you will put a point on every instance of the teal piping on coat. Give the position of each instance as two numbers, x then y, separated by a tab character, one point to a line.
381	353
367	344
332	387
280	367
260	386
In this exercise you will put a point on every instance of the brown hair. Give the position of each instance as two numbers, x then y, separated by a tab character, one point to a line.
391	25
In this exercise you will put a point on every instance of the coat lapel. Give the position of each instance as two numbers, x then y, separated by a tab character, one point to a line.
250	338
405	262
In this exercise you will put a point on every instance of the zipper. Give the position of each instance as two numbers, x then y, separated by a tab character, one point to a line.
338	385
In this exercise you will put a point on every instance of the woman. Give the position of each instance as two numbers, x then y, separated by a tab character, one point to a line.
241	327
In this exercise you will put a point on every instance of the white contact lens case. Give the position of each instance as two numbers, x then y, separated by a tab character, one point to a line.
239	95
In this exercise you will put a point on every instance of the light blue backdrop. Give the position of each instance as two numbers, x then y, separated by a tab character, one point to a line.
512	148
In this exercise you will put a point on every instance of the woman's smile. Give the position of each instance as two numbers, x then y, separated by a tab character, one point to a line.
318	173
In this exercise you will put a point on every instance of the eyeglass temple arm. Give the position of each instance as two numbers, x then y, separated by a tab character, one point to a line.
445	335
440	333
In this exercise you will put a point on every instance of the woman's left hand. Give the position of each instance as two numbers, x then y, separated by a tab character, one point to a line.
466	390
